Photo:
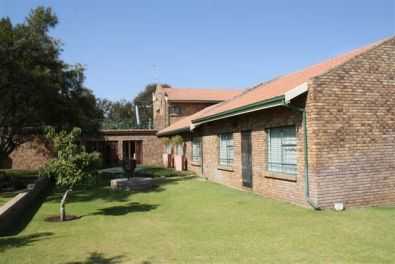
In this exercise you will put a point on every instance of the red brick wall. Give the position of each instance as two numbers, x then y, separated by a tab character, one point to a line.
263	183
187	109
351	137
151	144
352	122
30	155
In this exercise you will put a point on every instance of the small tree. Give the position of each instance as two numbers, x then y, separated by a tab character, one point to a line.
72	164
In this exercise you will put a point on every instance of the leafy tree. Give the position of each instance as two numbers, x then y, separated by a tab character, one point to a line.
72	164
121	114
36	87
117	114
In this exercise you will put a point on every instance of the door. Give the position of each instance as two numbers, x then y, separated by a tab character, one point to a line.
246	158
128	149
139	151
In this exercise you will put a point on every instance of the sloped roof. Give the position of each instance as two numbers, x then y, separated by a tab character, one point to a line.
264	92
280	86
199	95
185	123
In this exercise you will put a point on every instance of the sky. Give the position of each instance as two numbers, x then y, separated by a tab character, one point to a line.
225	44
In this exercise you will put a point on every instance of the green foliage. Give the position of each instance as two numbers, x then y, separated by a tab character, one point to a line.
36	87
72	164
122	114
177	140
165	141
117	114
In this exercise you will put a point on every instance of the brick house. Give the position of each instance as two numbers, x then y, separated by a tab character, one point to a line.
315	137
169	105
172	104
115	145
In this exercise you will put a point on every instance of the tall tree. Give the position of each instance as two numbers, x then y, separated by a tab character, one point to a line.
36	87
117	114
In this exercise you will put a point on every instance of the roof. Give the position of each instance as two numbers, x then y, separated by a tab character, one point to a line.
199	95
277	88
131	131
264	95
185	123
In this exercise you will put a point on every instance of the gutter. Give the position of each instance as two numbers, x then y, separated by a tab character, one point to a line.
172	132
306	157
269	103
282	100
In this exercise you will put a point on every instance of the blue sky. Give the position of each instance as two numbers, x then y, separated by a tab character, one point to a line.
203	43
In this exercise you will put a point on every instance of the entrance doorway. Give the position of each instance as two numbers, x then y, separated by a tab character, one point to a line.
133	149
246	158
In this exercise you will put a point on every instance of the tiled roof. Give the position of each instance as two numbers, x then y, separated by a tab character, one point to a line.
281	85
265	91
199	95
185	123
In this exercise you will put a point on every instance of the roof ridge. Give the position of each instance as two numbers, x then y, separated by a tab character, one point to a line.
250	96
352	53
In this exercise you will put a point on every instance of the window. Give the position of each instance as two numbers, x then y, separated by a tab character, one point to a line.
196	149
168	148
282	150
175	110
180	149
226	149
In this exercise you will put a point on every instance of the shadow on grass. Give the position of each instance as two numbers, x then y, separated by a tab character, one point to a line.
20	222
126	209
99	258
20	241
155	172
109	195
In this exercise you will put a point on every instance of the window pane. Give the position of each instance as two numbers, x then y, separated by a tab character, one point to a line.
179	149
226	149
282	150
196	149
289	135
168	149
275	145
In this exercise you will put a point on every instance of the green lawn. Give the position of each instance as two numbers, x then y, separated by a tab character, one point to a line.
195	221
6	196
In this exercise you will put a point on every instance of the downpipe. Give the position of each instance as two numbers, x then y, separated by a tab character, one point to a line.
306	157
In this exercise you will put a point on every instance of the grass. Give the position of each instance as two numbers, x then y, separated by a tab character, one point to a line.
188	220
6	196
16	178
141	171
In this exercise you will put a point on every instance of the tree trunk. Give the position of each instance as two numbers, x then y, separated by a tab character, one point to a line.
62	215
